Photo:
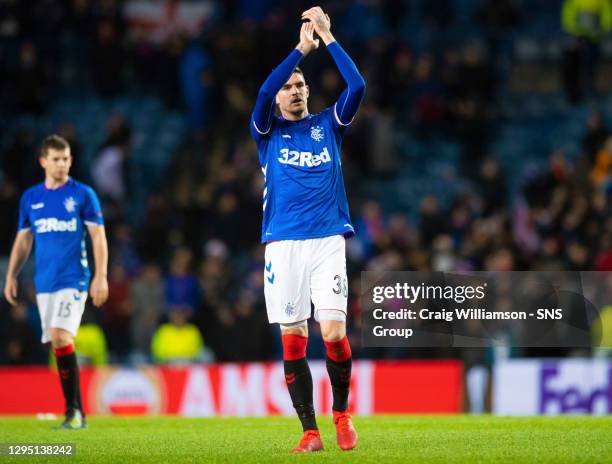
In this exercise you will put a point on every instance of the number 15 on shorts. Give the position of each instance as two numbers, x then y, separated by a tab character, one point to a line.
64	309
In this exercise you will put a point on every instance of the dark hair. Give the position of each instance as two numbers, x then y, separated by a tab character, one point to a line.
55	142
298	70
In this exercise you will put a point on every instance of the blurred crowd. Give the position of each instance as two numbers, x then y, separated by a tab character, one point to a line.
185	273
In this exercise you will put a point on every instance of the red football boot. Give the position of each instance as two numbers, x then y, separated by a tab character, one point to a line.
346	435
311	441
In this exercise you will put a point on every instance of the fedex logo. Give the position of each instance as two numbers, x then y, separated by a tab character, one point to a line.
565	394
304	158
45	225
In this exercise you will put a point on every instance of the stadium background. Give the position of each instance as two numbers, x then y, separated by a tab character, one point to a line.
482	144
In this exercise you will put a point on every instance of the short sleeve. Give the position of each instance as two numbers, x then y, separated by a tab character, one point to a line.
24	213
91	211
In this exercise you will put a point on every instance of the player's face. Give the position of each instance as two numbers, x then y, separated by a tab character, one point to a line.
292	98
57	164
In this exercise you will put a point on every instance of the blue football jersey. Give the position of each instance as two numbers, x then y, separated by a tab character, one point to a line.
57	219
304	195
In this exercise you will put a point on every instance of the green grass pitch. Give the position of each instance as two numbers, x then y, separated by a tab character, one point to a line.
382	439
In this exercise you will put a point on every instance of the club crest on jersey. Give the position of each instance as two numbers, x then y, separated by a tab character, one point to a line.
70	204
290	309
316	132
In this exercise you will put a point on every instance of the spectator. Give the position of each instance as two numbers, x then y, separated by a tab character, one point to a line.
433	220
587	22
195	79
601	332
118	312
601	173
30	81
9	205
227	219
153	237
181	285
110	170
252	328
67	130
370	226
170	56
497	19
19	164
147	300
107	59
492	187
123	248
595	137
177	341
471	102
427	98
